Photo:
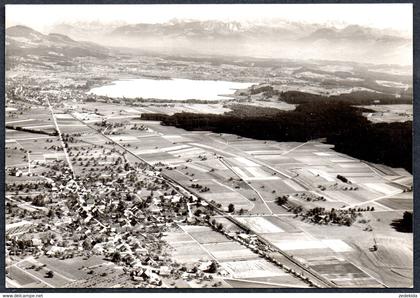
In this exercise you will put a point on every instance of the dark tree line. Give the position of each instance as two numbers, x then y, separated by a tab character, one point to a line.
353	98
19	128
341	124
404	224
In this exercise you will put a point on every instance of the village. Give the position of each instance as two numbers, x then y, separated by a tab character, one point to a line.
74	198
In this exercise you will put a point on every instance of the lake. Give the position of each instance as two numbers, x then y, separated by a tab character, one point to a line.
174	89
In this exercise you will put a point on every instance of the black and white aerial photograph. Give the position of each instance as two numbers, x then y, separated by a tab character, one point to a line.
208	146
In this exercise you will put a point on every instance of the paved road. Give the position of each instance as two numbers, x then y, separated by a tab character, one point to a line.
61	137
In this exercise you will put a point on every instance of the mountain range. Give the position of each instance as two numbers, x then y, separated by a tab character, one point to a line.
22	41
290	40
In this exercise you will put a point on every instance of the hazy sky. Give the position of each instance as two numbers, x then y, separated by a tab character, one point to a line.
396	16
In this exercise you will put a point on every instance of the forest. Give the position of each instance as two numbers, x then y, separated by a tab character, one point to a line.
338	123
353	98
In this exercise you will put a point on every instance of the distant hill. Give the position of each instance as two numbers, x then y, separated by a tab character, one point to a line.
291	31
277	40
23	41
355	33
212	30
286	40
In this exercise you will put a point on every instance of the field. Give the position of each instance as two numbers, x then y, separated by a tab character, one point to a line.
251	174
31	272
243	177
239	263
342	273
390	113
